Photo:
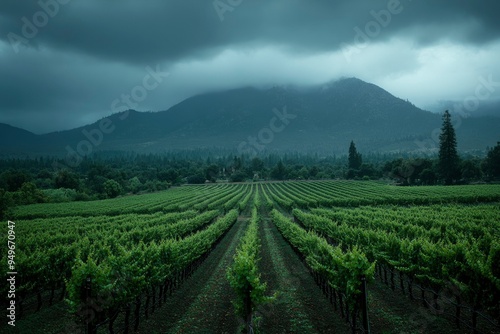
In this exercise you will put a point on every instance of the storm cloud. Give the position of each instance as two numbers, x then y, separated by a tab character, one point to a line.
63	63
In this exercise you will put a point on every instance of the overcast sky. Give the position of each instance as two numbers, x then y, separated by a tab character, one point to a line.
67	63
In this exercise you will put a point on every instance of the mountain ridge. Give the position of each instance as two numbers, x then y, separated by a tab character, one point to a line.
325	119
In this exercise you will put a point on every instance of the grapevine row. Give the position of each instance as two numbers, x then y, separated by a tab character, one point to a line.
121	278
455	262
343	271
243	275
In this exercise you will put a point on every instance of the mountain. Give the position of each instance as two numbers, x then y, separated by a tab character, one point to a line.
322	118
13	139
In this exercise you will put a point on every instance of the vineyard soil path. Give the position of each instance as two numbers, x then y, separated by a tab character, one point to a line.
300	306
203	303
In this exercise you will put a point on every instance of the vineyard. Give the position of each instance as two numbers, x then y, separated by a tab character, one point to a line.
275	257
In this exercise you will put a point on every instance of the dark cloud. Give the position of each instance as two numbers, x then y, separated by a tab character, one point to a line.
91	51
152	31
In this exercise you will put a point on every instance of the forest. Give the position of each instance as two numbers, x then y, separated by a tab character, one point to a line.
111	174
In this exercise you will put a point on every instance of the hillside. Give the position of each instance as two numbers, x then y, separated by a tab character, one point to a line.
322	119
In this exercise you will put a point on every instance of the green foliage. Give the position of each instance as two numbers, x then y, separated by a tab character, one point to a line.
355	159
5	203
170	175
156	185
96	278
448	156
212	172
279	171
257	165
438	246
342	269
14	179
492	162
129	244
121	271
134	185
471	170
67	179
238	176
60	195
268	203
244	275
196	179
243	203
151	173
112	188
428	177
28	194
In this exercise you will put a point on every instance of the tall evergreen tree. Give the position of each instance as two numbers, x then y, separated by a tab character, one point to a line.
492	162
355	159
279	171
449	162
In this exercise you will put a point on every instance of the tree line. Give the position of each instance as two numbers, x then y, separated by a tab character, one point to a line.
447	168
111	174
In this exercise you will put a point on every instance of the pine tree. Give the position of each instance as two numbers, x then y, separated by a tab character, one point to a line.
492	162
355	159
449	161
279	171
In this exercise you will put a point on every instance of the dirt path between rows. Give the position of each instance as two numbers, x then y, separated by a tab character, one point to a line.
394	313
203	303
300	306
